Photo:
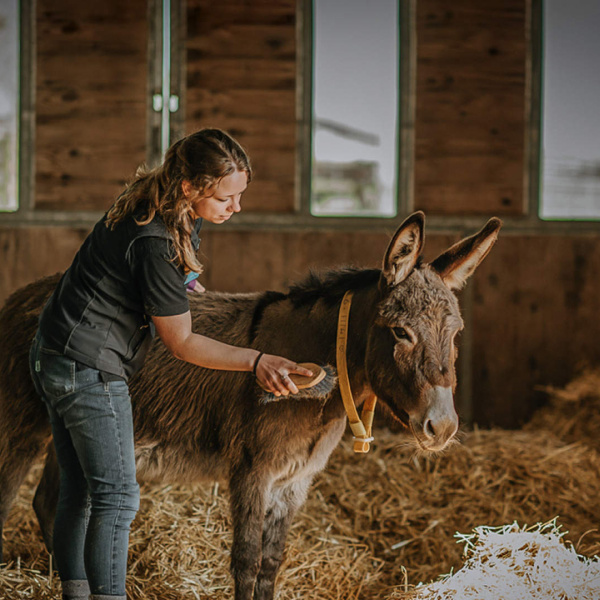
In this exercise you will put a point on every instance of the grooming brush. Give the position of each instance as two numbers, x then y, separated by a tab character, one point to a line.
319	385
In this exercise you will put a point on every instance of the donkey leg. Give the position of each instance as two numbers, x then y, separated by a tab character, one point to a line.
247	499
283	505
46	497
15	463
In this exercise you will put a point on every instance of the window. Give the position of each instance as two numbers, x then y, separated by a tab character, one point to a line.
571	118
9	104
355	108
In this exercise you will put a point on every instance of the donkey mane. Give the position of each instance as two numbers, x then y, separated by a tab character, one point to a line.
330	286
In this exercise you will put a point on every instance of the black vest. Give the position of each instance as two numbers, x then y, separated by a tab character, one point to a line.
96	314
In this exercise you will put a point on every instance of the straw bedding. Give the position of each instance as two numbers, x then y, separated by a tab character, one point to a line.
373	527
573	413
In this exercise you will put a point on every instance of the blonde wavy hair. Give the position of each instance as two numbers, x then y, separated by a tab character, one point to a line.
202	158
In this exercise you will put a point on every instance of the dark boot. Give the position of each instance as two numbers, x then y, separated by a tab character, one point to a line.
76	589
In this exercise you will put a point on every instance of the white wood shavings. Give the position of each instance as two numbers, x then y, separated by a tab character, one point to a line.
520	563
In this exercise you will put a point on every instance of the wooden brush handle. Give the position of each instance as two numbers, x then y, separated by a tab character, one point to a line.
302	382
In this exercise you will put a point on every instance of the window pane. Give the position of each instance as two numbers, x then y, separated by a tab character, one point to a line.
9	103
571	125
355	107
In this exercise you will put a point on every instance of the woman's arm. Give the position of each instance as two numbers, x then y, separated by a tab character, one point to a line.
272	371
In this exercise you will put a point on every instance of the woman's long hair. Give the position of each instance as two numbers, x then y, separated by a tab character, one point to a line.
202	158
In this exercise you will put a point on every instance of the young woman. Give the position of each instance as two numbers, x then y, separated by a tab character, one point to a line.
128	280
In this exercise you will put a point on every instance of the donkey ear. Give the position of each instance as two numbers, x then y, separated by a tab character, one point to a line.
459	262
404	249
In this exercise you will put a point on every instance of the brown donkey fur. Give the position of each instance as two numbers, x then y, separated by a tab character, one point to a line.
193	423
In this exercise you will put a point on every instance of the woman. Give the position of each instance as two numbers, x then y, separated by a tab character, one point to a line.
128	279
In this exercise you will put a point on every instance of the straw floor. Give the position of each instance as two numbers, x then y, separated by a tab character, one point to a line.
374	525
573	413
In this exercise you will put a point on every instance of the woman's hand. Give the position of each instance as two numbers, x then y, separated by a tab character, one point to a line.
273	372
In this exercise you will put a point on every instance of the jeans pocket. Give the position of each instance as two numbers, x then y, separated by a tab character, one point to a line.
85	376
56	373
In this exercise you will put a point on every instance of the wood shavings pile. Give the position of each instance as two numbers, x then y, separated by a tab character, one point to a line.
510	562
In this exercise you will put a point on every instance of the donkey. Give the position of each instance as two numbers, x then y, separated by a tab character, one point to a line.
193	423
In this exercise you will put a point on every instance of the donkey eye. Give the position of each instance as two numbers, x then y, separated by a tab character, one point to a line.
401	334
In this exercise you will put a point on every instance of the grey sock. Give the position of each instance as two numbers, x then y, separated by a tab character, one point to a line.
76	589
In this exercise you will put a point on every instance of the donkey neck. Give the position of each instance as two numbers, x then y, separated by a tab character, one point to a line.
309	313
361	318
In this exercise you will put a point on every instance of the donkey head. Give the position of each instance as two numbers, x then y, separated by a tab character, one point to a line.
411	349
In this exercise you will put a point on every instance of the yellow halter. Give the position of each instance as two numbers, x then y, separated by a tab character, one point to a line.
361	427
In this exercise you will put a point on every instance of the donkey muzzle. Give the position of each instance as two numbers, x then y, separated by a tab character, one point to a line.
440	421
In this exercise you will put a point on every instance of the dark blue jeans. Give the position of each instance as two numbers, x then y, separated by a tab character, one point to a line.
92	427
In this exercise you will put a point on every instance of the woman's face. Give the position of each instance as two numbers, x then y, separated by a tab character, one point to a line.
223	199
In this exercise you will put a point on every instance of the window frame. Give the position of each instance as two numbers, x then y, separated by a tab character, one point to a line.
301	219
26	214
25	113
404	115
529	222
538	36
18	109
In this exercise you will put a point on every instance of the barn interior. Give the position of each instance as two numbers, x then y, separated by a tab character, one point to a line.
354	115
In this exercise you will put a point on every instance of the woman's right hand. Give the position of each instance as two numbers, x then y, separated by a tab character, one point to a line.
273	373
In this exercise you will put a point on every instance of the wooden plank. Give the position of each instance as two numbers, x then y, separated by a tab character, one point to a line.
241	77
91	101
263	195
470	107
30	253
492	196
203	14
534	302
242	73
252	261
535	321
262	132
483	169
260	40
261	104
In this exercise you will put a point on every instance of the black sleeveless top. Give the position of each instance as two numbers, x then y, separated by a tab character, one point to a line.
99	314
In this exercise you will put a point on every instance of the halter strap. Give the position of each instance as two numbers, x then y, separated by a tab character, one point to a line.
361	427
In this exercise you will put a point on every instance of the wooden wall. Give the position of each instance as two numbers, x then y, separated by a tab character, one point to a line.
531	307
471	103
91	96
241	76
28	253
535	304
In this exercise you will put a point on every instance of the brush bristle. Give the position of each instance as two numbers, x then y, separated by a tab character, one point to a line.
319	391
